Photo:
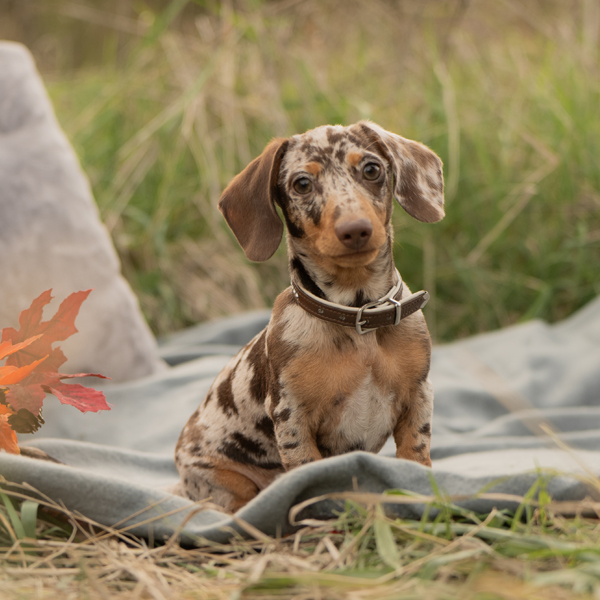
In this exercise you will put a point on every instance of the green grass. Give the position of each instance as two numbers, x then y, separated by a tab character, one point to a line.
507	94
452	553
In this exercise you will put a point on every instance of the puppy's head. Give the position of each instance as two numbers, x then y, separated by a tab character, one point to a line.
335	186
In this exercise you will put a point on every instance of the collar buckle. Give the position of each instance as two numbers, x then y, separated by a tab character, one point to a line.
359	316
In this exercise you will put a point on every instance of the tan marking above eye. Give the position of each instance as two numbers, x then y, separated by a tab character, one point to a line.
354	158
314	168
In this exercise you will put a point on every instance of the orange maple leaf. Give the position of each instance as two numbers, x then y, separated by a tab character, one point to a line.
12	375
31	369
9	374
8	438
58	328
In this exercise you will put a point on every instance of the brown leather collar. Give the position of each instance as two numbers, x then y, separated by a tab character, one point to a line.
388	310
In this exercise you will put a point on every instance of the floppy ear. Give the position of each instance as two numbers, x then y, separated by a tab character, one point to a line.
418	176
248	204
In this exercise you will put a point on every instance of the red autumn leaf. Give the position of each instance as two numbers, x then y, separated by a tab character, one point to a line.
30	392
8	438
58	328
83	398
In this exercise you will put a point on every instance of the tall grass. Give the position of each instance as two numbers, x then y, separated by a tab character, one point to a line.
507	93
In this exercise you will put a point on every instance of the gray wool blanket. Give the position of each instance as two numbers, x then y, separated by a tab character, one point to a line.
493	395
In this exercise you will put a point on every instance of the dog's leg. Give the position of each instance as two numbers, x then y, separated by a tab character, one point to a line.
220	485
296	443
413	429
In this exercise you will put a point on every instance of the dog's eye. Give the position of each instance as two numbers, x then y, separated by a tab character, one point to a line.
371	171
303	185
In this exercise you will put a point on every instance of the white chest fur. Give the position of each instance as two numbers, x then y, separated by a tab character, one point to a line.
366	418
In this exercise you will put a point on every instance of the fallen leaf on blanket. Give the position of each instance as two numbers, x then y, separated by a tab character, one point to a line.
31	369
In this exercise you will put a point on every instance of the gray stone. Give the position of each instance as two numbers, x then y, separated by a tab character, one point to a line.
51	235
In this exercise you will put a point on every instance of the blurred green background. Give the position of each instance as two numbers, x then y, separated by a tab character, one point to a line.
165	101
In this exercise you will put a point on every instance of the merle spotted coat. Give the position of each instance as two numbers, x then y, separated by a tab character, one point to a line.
305	389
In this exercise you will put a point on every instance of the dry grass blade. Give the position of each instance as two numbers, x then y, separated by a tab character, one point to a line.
253	531
84	12
171	111
522	193
358	538
592	477
449	102
136	169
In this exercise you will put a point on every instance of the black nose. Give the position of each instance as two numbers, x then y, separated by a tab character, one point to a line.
354	234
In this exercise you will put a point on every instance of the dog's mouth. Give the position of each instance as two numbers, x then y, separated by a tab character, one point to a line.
355	258
356	253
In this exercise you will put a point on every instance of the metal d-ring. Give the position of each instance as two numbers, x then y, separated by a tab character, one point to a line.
398	309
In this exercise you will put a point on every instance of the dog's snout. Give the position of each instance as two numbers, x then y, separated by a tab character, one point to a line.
354	234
